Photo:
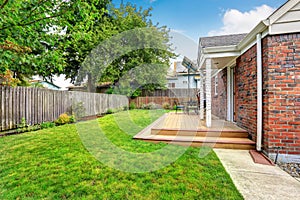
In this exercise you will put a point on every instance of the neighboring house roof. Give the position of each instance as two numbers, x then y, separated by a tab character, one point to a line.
46	84
105	85
224	40
180	68
77	88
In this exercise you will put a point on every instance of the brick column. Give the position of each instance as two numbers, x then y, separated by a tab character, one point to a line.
208	92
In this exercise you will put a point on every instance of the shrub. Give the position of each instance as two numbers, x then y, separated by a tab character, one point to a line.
45	125
109	111
166	106
132	106
125	108
63	119
72	119
151	106
33	128
22	127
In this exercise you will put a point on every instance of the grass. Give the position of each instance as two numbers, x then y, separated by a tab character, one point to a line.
54	164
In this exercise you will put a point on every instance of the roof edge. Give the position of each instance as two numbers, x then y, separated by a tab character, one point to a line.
250	37
221	49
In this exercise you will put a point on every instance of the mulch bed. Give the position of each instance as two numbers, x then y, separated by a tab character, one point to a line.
292	168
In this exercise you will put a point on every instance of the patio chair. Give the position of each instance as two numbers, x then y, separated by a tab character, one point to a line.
178	106
193	105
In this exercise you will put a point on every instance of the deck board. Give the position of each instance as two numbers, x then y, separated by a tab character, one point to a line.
192	122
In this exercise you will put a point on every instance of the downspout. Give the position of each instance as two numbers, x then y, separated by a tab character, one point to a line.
259	93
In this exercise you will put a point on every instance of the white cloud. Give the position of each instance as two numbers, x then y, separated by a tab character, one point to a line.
235	21
151	1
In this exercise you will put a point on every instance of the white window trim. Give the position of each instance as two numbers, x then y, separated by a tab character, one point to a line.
216	85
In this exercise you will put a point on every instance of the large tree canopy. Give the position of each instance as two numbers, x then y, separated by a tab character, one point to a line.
135	54
41	37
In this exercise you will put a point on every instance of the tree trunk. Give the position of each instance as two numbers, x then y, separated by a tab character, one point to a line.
90	84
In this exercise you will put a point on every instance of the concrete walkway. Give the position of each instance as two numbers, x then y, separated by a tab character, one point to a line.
256	181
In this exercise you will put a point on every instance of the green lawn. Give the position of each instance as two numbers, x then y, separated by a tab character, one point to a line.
54	164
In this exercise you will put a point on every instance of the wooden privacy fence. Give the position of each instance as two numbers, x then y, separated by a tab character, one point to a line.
38	105
140	101
174	93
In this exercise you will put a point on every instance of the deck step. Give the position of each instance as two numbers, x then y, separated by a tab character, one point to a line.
200	133
214	142
188	130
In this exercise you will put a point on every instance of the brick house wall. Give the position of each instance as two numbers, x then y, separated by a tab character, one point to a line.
281	77
246	92
281	93
219	100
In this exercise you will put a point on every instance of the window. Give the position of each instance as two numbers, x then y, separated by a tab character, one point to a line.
185	82
171	85
216	85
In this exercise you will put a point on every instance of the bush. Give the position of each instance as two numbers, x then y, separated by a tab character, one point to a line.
166	106
132	106
72	119
63	119
125	108
109	111
22	127
45	125
33	128
151	106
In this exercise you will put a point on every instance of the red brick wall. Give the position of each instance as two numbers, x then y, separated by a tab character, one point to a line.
246	92
281	63
219	101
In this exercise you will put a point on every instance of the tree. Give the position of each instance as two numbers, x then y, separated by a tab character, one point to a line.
85	24
26	45
124	58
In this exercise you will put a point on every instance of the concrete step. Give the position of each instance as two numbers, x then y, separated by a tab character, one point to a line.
200	133
214	142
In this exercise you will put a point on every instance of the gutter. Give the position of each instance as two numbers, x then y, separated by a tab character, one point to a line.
259	92
261	27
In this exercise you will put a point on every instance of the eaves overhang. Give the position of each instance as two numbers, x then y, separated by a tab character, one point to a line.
220	52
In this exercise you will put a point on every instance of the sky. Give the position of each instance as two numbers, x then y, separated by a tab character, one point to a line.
196	18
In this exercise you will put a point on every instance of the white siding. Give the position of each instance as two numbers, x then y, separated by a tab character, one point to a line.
289	17
297	7
182	82
285	28
287	23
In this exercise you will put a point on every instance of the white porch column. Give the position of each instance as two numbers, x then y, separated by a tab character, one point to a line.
208	92
229	92
201	90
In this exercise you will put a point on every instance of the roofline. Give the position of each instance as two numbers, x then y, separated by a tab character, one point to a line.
40	81
282	10
250	37
220	49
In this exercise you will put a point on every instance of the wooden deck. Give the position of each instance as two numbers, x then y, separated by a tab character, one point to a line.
190	130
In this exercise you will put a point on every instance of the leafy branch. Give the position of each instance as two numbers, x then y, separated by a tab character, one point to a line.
4	3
